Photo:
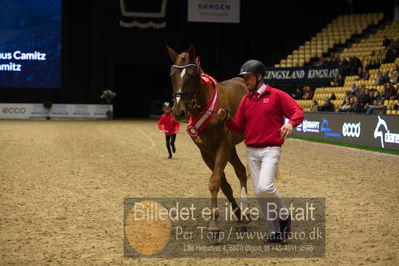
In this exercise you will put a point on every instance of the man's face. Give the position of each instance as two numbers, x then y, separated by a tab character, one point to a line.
250	81
167	109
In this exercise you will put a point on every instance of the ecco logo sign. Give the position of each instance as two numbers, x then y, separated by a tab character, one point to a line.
351	130
13	110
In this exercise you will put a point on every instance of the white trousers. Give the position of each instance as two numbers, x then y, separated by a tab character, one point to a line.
262	164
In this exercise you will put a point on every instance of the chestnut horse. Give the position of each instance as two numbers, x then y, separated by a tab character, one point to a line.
216	142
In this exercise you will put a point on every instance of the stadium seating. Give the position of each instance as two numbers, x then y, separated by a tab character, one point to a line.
369	50
337	32
324	92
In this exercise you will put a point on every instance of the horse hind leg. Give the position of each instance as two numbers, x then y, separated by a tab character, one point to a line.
228	192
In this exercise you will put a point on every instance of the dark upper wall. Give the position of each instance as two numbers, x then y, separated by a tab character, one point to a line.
99	54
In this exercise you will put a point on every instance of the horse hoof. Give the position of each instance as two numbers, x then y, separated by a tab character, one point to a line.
241	229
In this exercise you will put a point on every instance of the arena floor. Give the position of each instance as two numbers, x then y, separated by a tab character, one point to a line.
62	185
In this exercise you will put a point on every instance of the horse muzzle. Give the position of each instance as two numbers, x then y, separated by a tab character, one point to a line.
179	115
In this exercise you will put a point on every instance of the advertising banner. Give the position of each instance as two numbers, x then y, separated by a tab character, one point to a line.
221	11
379	131
57	111
300	74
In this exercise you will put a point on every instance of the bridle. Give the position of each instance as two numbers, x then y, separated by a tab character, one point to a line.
189	98
184	66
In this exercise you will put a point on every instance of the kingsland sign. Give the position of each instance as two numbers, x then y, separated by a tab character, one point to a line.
301	74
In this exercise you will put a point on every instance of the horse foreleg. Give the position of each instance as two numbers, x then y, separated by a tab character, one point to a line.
209	159
241	173
221	156
225	186
214	187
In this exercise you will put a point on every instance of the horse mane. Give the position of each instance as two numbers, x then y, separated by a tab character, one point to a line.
233	81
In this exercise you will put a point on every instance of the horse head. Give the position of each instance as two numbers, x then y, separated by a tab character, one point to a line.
185	77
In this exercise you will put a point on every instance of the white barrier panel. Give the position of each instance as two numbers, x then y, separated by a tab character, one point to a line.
57	111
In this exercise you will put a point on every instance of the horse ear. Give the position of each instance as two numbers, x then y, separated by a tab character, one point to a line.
191	52
173	55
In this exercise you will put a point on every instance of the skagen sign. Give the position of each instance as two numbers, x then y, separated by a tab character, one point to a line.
301	74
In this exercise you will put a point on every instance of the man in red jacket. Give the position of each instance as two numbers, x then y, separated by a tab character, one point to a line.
170	127
260	117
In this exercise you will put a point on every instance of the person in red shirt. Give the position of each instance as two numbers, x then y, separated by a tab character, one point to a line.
260	117
170	127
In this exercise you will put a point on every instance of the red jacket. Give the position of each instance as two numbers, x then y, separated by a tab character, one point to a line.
261	118
168	122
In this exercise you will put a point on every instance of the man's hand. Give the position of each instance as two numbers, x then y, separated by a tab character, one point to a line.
286	131
223	114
